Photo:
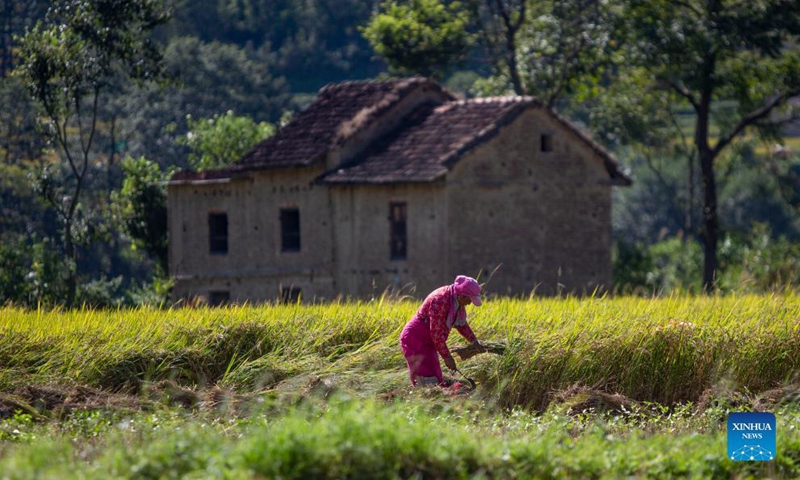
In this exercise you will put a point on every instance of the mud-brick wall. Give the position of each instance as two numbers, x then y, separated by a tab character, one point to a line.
543	218
255	267
362	233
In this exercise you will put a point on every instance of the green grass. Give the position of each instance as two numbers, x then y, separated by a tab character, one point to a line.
362	439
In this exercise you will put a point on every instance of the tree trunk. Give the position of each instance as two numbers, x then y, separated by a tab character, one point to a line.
69	248
513	69
710	222
706	157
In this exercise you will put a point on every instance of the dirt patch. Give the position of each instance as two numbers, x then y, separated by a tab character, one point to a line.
577	400
769	399
712	398
47	399
11	405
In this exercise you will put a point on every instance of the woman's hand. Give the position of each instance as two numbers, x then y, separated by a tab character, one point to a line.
450	363
480	347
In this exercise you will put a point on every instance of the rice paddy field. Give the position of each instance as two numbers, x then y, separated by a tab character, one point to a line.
586	388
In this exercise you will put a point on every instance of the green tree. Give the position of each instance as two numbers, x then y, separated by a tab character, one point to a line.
67	62
219	141
731	63
425	37
548	49
499	23
140	208
566	48
31	272
209	78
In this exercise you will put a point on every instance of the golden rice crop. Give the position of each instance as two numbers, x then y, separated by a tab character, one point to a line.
665	350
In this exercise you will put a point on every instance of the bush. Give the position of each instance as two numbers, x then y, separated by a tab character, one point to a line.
751	263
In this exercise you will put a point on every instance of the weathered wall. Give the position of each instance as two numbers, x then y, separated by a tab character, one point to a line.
255	267
362	231
544	217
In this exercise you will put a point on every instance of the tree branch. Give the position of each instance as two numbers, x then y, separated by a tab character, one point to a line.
649	159
687	6
753	117
683	92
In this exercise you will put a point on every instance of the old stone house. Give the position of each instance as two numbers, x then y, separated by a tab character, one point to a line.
385	185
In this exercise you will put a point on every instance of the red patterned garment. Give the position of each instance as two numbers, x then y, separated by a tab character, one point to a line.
435	310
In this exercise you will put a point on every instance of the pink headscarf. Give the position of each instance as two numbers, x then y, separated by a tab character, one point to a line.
467	286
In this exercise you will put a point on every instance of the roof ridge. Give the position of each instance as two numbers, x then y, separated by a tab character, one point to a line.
327	88
364	117
499	99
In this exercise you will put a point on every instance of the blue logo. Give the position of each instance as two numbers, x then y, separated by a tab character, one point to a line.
751	437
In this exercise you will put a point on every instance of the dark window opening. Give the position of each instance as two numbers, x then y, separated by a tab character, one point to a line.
218	233
219	298
547	143
398	243
290	294
290	230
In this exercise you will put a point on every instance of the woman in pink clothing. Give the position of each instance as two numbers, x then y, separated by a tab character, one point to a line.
427	331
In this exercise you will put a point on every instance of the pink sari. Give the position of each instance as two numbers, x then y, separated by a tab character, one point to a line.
420	352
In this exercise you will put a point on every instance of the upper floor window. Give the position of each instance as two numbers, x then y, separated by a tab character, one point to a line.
397	231
218	233
290	230
547	142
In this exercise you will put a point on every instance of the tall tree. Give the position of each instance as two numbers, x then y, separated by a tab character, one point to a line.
67	63
425	37
546	48
499	23
730	62
566	48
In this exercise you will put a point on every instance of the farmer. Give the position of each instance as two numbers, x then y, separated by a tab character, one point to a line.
426	333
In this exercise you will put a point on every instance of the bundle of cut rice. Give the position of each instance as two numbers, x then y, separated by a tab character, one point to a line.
471	350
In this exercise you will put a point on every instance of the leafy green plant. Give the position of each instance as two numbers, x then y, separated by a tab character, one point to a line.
425	37
219	141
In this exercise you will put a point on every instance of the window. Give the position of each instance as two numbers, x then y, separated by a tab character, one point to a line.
218	233
397	230
547	142
290	230
290	294
217	298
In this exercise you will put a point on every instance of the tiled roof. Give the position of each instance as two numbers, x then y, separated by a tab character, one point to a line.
338	112
429	140
316	129
424	145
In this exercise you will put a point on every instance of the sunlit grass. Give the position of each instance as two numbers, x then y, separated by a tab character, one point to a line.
665	350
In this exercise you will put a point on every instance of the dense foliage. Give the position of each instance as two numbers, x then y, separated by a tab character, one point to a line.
632	72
